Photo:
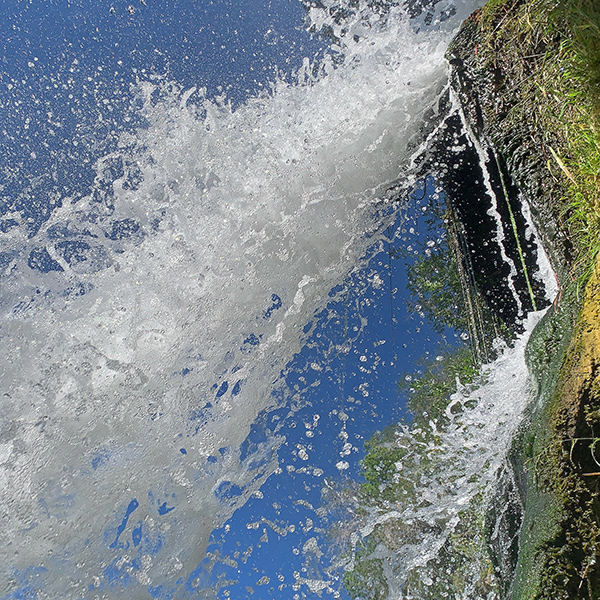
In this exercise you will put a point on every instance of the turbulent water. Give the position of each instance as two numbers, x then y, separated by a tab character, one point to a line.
430	539
144	328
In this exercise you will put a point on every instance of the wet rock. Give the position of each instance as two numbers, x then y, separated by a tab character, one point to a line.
487	87
544	523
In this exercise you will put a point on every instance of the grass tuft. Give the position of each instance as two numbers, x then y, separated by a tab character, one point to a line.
551	48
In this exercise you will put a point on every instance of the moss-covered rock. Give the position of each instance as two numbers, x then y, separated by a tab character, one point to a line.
508	65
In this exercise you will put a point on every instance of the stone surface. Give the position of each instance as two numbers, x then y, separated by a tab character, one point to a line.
556	457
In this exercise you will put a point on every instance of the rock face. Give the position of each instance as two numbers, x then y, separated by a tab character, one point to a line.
495	256
551	490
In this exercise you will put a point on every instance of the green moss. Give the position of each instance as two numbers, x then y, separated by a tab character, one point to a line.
533	454
555	453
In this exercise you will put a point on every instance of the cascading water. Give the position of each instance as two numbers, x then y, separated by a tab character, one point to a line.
429	540
147	328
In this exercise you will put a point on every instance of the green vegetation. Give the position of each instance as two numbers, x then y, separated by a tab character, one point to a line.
546	54
557	461
366	581
435	287
431	391
400	465
379	468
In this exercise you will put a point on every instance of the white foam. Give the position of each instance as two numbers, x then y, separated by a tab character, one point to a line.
179	337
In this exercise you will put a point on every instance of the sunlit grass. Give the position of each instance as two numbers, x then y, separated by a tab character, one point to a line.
579	81
552	50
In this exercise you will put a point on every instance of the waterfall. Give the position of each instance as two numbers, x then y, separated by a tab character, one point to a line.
151	329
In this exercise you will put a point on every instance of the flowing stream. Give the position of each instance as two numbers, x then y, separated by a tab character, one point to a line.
201	325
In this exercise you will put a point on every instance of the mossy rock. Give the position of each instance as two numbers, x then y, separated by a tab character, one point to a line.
506	65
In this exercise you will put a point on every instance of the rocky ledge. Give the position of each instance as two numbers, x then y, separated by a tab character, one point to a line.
499	63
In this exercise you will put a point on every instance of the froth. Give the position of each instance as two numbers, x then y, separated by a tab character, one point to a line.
144	326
